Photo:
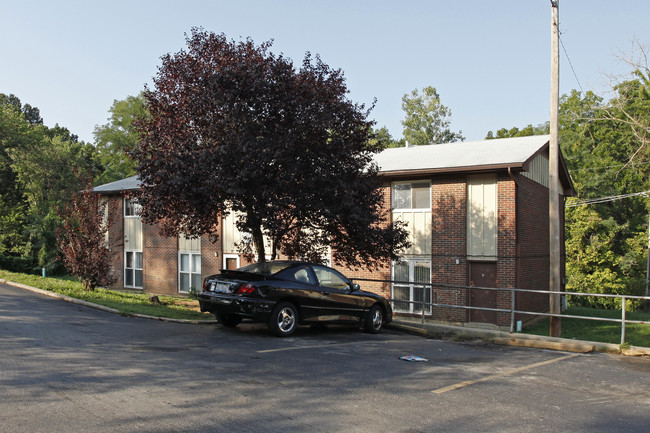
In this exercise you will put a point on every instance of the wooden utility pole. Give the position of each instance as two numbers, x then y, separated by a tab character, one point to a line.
554	181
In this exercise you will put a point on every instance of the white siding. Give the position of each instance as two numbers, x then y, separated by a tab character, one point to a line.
189	244
538	170
419	228
231	235
482	217
133	233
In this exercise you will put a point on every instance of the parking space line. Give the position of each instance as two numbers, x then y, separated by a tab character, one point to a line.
315	346
504	373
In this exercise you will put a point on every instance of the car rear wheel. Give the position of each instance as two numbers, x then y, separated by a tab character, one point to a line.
228	320
374	320
284	319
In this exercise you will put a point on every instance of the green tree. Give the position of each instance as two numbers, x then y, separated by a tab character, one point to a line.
118	137
606	156
426	119
516	132
604	258
233	127
39	167
30	114
381	139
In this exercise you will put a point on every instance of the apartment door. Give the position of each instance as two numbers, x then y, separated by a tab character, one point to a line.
483	275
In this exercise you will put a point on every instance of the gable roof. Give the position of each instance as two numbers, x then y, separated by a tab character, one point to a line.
468	156
501	152
129	183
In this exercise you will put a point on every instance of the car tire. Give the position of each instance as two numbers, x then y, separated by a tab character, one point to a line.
374	319
284	319
228	320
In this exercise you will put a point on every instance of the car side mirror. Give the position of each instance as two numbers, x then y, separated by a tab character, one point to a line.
355	287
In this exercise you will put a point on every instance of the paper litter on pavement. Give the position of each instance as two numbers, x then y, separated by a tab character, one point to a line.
412	358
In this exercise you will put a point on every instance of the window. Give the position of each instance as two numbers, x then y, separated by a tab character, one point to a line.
301	275
189	271
189	263
411	195
407	273
131	208
133	269
330	278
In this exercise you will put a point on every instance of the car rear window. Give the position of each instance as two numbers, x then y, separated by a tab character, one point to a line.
266	268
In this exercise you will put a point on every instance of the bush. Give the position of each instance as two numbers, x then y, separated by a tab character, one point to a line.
16	264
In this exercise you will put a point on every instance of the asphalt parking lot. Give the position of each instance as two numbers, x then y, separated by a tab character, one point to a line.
65	367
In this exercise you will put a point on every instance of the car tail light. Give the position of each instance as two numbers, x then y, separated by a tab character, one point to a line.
246	289
205	285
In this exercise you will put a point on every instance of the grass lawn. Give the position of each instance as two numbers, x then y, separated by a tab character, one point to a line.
593	330
125	302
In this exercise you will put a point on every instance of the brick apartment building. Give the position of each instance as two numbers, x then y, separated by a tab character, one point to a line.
477	214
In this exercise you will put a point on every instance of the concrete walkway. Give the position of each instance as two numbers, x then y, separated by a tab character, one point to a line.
435	330
415	326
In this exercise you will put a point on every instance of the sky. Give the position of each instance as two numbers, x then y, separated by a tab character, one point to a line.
489	60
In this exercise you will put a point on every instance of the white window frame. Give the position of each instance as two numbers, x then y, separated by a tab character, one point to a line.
132	270
413	308
191	272
129	203
410	183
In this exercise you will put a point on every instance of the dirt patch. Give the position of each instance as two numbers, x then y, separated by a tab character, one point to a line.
190	304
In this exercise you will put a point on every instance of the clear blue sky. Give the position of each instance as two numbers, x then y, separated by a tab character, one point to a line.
489	60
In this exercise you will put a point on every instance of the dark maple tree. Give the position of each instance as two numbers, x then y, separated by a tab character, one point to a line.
82	239
235	128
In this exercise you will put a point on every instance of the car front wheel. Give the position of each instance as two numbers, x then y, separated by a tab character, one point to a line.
284	319
374	320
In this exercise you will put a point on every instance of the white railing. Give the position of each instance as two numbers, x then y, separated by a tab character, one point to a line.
512	311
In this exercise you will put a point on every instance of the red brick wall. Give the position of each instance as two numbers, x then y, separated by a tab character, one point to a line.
211	257
160	261
506	244
449	244
533	237
116	238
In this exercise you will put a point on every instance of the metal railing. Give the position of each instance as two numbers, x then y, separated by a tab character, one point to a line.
512	311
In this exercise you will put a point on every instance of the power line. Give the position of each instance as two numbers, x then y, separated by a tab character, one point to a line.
607	199
571	64
608	166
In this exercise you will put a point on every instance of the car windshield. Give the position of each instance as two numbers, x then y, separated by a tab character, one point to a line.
266	268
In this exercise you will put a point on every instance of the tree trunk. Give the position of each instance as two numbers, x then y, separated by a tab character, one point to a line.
258	242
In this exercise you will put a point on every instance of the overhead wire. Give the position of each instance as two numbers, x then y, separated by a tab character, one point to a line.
589	201
570	64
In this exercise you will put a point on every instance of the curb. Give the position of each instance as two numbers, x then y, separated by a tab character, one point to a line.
102	307
519	340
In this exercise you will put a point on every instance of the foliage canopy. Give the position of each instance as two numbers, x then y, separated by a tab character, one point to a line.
426	120
237	129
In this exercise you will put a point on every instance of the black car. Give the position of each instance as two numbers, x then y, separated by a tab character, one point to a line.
285	294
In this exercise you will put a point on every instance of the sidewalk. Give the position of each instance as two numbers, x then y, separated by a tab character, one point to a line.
435	330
